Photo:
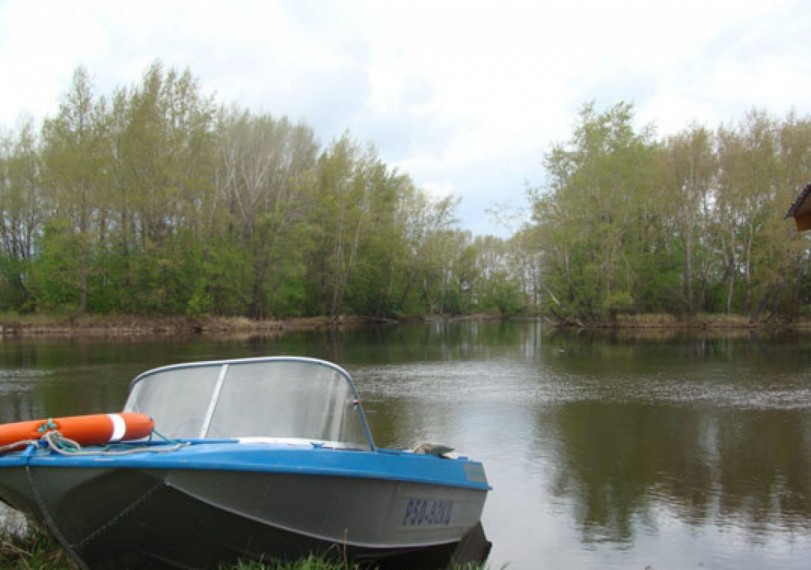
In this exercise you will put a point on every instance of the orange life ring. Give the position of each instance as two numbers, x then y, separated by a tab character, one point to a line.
92	429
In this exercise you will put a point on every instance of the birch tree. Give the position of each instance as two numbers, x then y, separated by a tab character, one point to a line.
689	181
265	169
593	213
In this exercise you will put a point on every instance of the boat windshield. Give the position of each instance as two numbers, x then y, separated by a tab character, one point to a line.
275	398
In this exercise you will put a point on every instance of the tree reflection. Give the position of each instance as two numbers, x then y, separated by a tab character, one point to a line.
622	463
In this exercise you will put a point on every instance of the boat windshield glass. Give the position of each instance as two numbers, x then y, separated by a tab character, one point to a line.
274	398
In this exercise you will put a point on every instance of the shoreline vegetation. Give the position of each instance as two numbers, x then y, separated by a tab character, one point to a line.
142	326
24	547
157	198
93	326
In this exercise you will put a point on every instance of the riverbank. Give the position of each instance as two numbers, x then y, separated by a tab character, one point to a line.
94	326
703	321
138	326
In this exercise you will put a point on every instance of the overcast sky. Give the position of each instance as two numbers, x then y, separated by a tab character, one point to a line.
464	96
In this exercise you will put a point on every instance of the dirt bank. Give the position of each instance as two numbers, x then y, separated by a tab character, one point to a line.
131	326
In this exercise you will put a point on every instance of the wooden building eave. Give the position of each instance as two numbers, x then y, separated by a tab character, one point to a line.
800	210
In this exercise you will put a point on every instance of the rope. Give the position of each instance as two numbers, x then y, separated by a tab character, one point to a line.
58	443
164	438
47	425
62	445
16	444
47	517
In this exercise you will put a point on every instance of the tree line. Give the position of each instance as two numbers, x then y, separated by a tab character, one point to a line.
155	199
692	223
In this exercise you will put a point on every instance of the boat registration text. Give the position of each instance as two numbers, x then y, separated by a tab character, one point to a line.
427	512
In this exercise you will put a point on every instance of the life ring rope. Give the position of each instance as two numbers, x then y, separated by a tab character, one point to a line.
18	444
57	443
47	425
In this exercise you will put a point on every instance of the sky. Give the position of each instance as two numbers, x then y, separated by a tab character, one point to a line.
466	97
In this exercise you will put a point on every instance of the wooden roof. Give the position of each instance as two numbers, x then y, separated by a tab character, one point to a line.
801	210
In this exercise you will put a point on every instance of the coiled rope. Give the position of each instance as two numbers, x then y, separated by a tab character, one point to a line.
62	445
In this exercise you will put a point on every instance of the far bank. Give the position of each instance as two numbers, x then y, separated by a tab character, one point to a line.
122	326
142	326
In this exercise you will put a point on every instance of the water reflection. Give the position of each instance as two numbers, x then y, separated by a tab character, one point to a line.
624	462
641	450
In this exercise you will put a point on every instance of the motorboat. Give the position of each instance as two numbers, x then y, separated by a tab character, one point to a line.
257	459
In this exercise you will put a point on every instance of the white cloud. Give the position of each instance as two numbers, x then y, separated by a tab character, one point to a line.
461	95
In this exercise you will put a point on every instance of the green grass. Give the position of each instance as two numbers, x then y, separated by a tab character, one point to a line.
312	562
28	547
31	549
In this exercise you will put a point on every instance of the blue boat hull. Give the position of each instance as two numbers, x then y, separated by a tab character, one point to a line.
219	502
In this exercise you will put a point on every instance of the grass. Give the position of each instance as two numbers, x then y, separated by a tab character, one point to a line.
313	562
34	549
28	547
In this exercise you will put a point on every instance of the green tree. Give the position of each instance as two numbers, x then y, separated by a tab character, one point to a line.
373	288
690	172
594	219
356	200
497	283
746	187
794	156
428	225
265	176
525	263
777	250
165	192
21	212
75	179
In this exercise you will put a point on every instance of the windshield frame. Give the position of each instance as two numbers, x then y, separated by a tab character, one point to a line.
215	377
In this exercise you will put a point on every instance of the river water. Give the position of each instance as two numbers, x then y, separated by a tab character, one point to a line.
652	452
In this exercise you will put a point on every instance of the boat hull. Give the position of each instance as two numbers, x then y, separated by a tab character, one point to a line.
195	509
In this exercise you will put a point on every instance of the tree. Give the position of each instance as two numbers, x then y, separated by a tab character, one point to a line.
164	193
691	167
794	157
496	284
597	210
428	226
746	187
355	222
21	212
75	178
777	251
265	172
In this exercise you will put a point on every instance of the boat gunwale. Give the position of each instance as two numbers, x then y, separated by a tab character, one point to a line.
232	455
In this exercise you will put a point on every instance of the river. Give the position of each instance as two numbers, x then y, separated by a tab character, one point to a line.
656	452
